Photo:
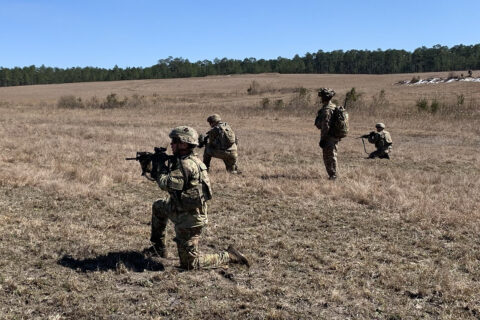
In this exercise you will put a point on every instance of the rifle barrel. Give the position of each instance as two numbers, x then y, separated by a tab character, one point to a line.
131	159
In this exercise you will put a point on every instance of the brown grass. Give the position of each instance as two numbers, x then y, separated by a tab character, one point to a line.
392	239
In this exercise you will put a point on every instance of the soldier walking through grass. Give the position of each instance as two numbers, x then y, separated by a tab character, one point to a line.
328	142
220	142
186	180
382	140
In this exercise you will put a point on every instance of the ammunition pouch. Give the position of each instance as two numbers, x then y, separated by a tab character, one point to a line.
192	198
195	197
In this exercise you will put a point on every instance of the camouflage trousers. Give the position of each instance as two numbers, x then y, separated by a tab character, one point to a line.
330	159
186	237
380	153
228	157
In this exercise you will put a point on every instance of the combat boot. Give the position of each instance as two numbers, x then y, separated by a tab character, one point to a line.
237	257
156	249
234	170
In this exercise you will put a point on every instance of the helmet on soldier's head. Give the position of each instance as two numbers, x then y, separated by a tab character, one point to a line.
326	92
185	134
380	126
214	118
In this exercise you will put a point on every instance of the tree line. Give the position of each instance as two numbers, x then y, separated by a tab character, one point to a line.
437	58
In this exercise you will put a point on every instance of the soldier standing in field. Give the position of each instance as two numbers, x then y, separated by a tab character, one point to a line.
382	140
220	142
328	142
186	180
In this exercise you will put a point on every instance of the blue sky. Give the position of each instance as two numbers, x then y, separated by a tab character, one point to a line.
137	33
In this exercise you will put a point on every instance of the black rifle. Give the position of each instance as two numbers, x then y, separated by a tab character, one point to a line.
152	162
366	136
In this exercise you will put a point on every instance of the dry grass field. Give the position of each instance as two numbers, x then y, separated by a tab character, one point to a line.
396	239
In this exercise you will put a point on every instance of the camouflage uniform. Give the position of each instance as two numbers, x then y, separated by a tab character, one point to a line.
383	143
328	143
215	147
186	207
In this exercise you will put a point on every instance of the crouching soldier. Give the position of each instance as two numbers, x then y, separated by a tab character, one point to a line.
383	142
186	180
220	142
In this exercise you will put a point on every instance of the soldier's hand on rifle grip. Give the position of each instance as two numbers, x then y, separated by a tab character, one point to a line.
146	166
163	168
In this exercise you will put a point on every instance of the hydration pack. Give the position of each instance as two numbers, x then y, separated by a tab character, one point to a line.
227	136
339	123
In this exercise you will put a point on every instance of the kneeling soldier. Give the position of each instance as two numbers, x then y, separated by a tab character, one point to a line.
220	142
186	180
383	142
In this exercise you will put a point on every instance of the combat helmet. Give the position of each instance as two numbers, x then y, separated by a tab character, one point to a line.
214	118
185	134
326	92
380	125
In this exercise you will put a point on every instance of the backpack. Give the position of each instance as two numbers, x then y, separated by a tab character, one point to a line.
339	123
227	136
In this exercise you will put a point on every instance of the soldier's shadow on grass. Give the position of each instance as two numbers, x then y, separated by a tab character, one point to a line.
131	260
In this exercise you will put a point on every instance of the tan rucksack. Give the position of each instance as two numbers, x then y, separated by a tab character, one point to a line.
227	136
339	123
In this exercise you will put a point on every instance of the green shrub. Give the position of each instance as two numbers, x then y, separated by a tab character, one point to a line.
352	95
70	102
254	88
301	99
449	106
265	103
279	104
112	102
136	100
93	103
422	104
302	92
380	100
434	106
354	99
